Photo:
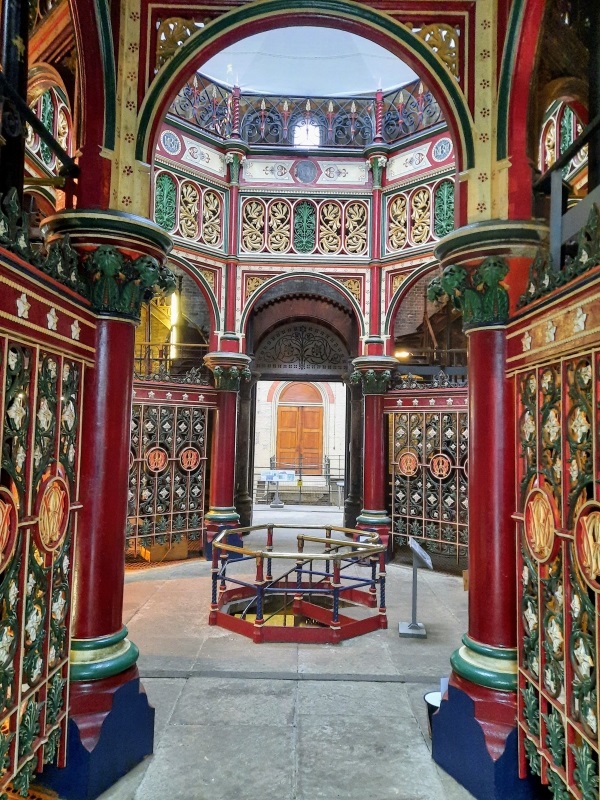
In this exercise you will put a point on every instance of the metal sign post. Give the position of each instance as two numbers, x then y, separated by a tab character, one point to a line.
414	629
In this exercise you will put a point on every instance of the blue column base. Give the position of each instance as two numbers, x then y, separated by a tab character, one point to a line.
460	749
233	539
126	738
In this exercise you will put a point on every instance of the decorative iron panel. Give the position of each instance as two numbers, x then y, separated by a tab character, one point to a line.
166	476
559	570
40	430
339	122
304	227
430	482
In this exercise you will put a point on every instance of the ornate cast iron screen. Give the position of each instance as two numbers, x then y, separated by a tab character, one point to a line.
166	477
559	571
304	348
430	484
40	426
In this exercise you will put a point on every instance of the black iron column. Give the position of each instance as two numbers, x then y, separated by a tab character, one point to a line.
244	447
15	34
353	477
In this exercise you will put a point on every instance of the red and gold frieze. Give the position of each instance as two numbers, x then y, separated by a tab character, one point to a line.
558	326
154	393
39	309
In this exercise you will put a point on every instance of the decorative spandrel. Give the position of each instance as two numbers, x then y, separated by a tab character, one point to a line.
306	348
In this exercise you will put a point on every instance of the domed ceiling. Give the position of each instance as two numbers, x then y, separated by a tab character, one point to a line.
308	62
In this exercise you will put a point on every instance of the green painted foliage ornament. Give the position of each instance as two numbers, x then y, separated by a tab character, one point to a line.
373	381
479	295
555	736
228	379
586	771
119	285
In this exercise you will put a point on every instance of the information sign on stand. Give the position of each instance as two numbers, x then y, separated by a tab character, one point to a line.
277	476
421	558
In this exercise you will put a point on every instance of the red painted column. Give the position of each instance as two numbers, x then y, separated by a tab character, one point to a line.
492	552
223	452
375	375
99	573
374	481
474	734
228	369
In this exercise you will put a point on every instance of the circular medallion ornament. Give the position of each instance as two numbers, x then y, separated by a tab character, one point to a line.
189	459
157	459
441	149
540	524
8	526
408	464
170	142
587	543
440	466
52	508
306	171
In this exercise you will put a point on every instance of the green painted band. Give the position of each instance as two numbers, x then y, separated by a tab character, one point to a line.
98	642
373	518
110	221
222	515
96	670
502	653
491	232
102	12
506	71
490	679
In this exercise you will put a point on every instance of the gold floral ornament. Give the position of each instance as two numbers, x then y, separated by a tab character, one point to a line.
53	513
443	40
550	145
356	228
188	210
211	219
420	205
587	543
398	224
330	221
253	282
280	230
540	525
8	526
171	34
253	226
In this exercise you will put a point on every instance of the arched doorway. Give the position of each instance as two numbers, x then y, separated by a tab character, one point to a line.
300	428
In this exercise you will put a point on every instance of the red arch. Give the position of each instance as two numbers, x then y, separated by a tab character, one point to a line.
302	18
519	175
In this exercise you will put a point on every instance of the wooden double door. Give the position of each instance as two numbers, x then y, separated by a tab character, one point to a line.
300	429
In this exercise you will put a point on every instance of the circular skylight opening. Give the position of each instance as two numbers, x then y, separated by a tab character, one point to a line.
308	62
